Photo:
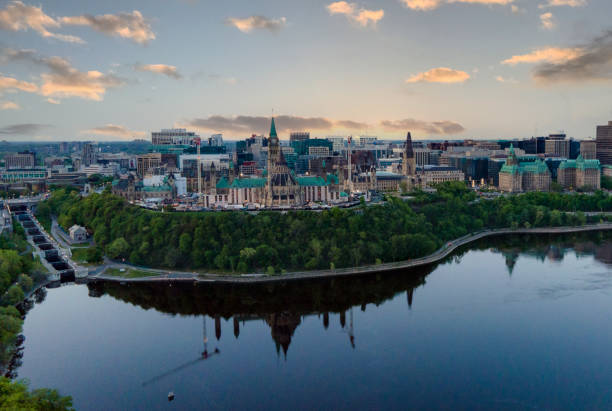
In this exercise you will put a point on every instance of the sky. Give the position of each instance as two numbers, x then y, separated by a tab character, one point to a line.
483	69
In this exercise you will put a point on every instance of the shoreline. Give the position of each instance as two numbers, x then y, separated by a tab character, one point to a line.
435	257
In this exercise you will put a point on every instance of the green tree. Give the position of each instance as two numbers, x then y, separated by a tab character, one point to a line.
118	248
25	282
14	395
14	295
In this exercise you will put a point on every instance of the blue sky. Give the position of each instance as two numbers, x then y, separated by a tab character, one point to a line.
440	68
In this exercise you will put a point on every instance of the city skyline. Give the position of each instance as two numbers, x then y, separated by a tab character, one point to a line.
487	68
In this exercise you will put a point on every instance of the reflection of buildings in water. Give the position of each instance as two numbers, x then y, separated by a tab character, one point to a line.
555	253
511	259
603	253
282	327
409	296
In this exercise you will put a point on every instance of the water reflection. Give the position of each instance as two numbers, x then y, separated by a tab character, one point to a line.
284	306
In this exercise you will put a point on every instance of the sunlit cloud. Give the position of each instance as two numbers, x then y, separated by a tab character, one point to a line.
439	75
548	21
52	101
17	16
9	105
62	80
248	24
132	26
427	127
114	131
425	5
558	3
358	15
12	84
554	55
502	79
593	63
246	125
165	69
66	81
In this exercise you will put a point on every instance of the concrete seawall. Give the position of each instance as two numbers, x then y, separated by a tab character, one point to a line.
437	256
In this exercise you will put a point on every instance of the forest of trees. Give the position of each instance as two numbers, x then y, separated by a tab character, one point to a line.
399	229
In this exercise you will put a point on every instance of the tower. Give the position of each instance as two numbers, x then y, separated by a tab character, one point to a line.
273	153
409	163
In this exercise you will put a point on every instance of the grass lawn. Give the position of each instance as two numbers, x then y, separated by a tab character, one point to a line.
128	273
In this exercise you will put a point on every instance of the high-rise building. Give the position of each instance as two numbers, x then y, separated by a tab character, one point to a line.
89	154
147	162
299	136
174	136
22	160
588	149
557	146
604	144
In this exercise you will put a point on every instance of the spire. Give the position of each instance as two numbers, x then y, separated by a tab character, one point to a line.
273	129
409	153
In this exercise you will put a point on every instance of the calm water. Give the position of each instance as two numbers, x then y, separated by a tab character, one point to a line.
509	324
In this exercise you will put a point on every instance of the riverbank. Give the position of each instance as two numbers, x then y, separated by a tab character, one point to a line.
159	275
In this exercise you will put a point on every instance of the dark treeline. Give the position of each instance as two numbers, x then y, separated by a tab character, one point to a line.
272	241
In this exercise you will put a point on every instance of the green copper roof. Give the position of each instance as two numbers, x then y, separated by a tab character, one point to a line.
581	164
273	129
312	181
248	183
536	167
223	183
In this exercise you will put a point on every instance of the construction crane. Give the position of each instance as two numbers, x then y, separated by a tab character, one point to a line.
198	143
350	330
205	355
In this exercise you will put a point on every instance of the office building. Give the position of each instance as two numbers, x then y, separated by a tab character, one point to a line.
22	160
89	154
588	149
173	136
604	144
557	146
299	136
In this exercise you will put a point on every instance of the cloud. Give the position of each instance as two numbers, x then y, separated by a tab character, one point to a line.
131	26
9	83
439	75
557	3
259	124
52	101
115	131
358	15
251	23
505	80
62	80
351	125
244	125
23	129
593	63
426	5
554	55
9	105
548	21
170	71
21	17
435	127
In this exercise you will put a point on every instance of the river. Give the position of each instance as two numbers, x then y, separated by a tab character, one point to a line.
520	322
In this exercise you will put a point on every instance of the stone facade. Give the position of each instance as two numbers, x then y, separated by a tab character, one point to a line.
516	176
580	173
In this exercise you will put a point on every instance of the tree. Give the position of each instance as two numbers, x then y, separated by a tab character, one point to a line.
14	395
25	282
118	248
14	294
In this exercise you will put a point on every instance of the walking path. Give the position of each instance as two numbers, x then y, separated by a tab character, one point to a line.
448	248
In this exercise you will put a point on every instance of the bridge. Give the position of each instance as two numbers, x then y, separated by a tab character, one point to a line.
54	258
